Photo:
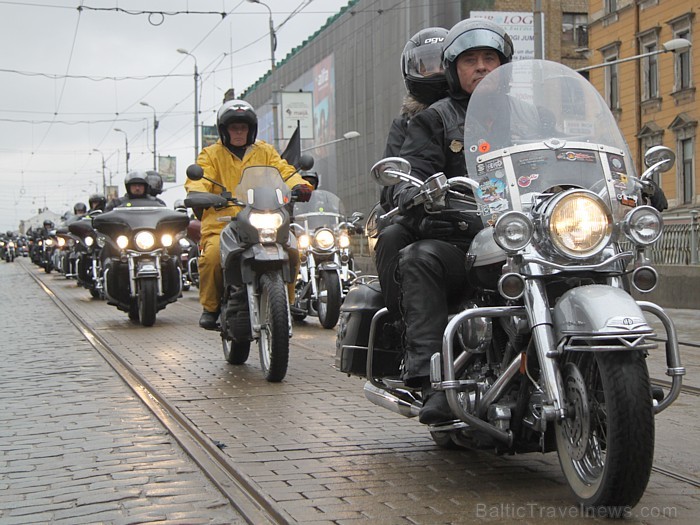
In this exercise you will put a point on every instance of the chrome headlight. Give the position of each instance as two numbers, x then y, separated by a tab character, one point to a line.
266	224
144	240
89	241
643	225
579	223
324	239
513	231
184	243
61	242
49	242
166	240
122	241
304	241
343	240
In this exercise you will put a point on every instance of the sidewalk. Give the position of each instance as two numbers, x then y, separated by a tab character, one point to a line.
76	444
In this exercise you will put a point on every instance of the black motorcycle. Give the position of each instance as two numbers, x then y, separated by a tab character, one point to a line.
88	248
259	254
140	268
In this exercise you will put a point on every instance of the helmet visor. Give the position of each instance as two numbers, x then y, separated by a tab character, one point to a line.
475	39
424	62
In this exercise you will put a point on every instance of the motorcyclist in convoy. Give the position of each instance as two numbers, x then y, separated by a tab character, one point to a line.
421	66
155	185
97	201
432	270
136	185
224	162
79	211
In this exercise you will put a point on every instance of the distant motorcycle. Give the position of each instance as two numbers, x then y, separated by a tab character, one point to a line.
189	246
140	268
258	253
327	267
88	265
10	250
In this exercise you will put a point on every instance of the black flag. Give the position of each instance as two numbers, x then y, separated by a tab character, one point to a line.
292	153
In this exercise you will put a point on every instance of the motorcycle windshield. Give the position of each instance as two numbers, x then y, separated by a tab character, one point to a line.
262	188
324	209
535	126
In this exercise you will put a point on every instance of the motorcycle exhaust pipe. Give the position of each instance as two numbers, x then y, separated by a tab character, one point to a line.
400	402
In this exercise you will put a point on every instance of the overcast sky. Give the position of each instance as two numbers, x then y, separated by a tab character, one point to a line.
70	75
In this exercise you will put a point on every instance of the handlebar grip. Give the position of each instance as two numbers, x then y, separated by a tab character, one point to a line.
389	214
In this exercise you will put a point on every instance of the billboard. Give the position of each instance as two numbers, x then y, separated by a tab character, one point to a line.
209	135
166	168
519	25
297	107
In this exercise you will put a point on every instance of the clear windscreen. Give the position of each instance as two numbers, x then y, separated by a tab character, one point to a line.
263	188
323	209
533	126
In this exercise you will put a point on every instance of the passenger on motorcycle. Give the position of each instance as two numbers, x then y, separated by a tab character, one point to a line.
421	66
155	185
432	272
137	194
97	201
224	162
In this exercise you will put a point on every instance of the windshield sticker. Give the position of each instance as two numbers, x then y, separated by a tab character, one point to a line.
525	180
484	147
576	156
617	163
620	177
491	190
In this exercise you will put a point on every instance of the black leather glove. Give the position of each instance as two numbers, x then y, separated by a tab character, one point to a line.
404	199
655	196
302	192
432	228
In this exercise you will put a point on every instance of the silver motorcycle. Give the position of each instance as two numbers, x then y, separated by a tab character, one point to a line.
327	266
547	350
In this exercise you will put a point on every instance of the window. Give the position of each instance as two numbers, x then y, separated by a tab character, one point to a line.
574	28
610	6
612	94
683	75
685	147
650	71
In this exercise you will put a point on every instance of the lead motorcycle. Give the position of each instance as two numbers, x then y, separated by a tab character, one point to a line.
546	350
141	272
327	267
258	257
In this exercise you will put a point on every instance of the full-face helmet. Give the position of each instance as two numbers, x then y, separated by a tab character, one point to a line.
155	183
79	208
97	201
421	65
311	177
236	111
473	33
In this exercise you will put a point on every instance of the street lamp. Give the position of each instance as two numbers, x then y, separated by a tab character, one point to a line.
126	140
676	45
155	127
196	108
348	135
104	183
273	38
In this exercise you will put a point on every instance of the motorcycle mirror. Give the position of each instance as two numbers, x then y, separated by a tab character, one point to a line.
306	162
194	172
392	170
660	154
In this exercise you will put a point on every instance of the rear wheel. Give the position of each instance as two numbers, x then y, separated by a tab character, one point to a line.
606	445
148	301
329	298
274	329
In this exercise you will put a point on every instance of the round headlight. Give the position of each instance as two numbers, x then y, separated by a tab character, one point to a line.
324	239
89	241
61	242
144	240
122	241
49	242
513	231
343	240
166	240
184	243
304	241
580	225
643	225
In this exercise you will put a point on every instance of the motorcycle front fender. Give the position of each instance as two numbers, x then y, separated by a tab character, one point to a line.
599	317
329	266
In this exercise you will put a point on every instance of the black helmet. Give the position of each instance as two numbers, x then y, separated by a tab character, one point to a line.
311	177
97	201
236	111
48	224
135	177
421	65
155	183
473	33
179	205
79	208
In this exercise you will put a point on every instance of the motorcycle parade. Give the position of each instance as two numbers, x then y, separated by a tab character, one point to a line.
478	306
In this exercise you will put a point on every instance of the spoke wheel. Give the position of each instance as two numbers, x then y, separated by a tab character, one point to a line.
274	327
606	444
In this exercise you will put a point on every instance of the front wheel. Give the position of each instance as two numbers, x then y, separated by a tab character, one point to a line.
606	444
148	301
274	327
329	299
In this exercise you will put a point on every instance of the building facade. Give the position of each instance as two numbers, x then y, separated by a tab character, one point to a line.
653	97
